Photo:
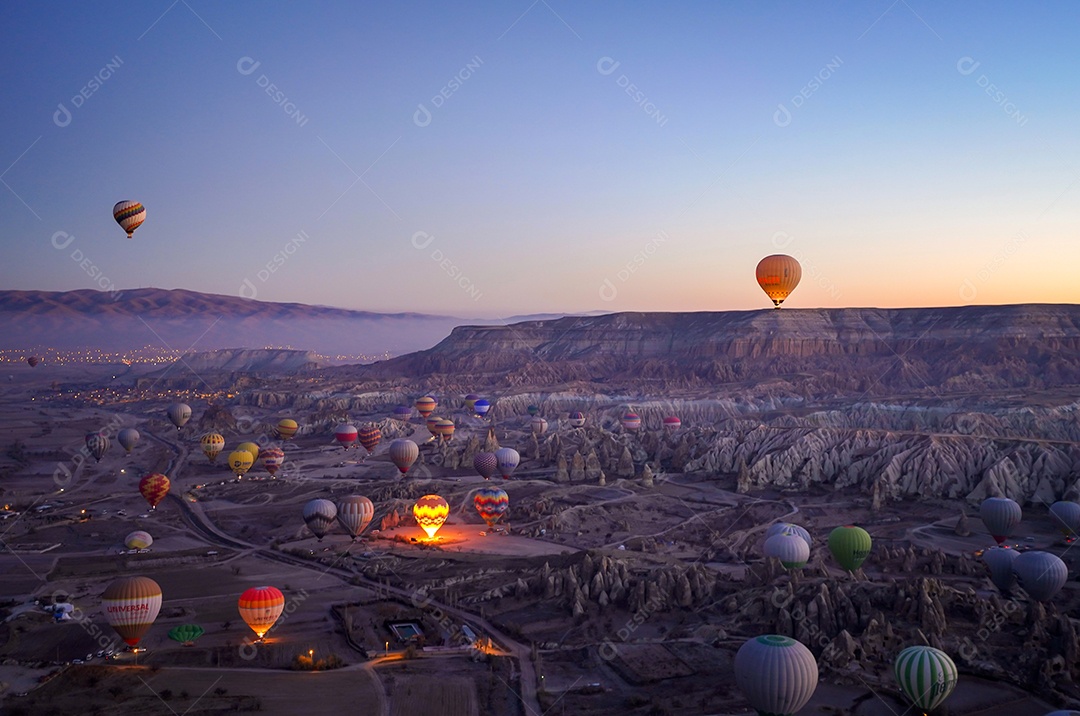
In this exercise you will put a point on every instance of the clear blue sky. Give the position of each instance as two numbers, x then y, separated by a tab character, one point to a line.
909	153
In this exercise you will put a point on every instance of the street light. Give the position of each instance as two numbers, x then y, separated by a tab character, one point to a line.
387	648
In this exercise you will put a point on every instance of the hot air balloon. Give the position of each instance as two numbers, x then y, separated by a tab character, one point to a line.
1066	517
97	443
179	414
403	453
131	605
273	459
492	503
426	406
319	515
776	674
1040	574
251	448
186	634
444	429
778	275
789	548
33	361
346	435
355	513
260	607
212	445
127	439
431	512
508	459
999	561
926	676
539	425
1001	516
403	413
850	545
486	464
430	422
781	527
370	437
577	420
138	540
470	402
533	410
153	488
286	428
130	215
631	422
672	423
481	407
240	461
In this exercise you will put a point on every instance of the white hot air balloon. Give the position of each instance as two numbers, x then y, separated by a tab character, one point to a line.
776	674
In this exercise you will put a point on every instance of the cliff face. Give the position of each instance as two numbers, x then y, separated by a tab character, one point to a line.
858	349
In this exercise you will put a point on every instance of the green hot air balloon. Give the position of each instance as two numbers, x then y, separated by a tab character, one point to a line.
186	634
850	546
926	675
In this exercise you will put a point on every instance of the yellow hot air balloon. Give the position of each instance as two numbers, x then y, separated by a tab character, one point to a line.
212	444
240	461
260	607
778	275
431	512
286	428
251	447
131	605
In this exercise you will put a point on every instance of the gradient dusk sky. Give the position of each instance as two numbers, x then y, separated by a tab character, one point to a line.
499	158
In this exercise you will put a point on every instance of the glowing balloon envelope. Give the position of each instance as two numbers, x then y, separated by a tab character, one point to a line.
319	515
426	406
485	464
179	414
508	459
240	461
130	215
370	437
153	488
403	453
97	444
577	420
127	438
131	605
286	428
850	546
260	607
212	445
776	674
346	435
789	548
999	562
431	512
1040	574
778	275
138	540
1001	516
492	503
355	513
926	676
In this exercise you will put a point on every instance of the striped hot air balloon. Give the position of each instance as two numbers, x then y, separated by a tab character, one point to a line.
1001	516
403	453
485	464
127	438
470	402
130	215
97	443
345	434
788	547
138	540
403	413
179	414
319	515
481	407
212	445
926	676
1040	574
370	437
781	527
778	275
577	419
186	634
508	460
272	459
131	605
776	674
492	503
286	428
153	488
444	429
260	607
672	423
426	406
539	425
1066	517
355	513
431	512
631	422
999	562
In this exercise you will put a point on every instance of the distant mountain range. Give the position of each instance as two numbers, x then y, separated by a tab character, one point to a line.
183	320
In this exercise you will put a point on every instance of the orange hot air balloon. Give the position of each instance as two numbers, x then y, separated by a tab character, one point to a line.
778	275
153	488
445	429
131	605
430	512
426	406
260	607
369	436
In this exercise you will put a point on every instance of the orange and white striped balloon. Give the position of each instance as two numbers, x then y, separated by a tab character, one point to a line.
131	605
260	607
